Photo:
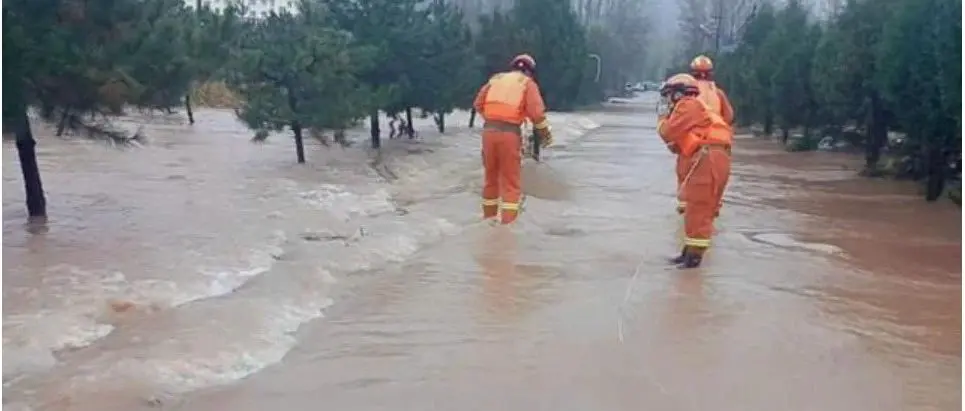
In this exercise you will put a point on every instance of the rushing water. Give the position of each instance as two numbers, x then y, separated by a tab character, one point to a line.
173	270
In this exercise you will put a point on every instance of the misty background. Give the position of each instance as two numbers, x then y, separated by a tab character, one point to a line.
676	30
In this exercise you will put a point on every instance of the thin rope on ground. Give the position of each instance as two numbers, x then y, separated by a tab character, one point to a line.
626	299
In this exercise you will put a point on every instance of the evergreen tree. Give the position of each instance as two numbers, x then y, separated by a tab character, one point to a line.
913	80
551	33
497	42
789	43
395	30
74	60
753	95
293	70
880	65
447	76
213	35
848	70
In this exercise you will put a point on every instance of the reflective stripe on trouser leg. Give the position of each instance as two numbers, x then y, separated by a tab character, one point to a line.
491	162
490	207
509	212
508	148
703	187
697	242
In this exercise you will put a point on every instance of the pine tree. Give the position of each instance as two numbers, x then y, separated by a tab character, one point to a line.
881	65
80	59
293	70
447	77
550	31
912	80
214	34
789	45
395	30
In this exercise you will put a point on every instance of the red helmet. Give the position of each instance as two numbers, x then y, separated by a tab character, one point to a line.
523	62
701	64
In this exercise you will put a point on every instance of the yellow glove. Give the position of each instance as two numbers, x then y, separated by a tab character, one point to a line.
545	137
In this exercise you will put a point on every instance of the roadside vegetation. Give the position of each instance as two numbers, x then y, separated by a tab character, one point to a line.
882	75
308	68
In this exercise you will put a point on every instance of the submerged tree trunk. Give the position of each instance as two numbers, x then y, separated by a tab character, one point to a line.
339	137
440	119
409	131
877	134
187	107
64	117
935	161
26	150
374	130
768	121
472	118
299	142
296	127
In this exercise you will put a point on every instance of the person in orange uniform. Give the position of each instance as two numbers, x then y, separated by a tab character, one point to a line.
702	69
505	102
703	139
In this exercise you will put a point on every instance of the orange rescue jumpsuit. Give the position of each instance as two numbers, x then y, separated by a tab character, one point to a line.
504	102
717	101
704	140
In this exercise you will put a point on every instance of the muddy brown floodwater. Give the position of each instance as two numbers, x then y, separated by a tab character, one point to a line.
823	291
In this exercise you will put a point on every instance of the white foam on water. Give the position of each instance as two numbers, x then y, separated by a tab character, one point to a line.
222	281
209	347
390	241
266	338
787	240
230	321
341	202
85	296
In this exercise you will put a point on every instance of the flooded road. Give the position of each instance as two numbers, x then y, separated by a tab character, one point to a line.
174	270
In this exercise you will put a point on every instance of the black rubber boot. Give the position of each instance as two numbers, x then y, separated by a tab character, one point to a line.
680	258
690	261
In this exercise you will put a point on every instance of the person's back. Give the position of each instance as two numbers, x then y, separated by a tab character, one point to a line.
708	94
503	98
711	94
505	102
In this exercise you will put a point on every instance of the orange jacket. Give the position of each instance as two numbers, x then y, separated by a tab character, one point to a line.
511	97
692	124
716	99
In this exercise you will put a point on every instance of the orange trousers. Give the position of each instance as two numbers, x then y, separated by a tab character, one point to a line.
501	154
703	189
682	168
